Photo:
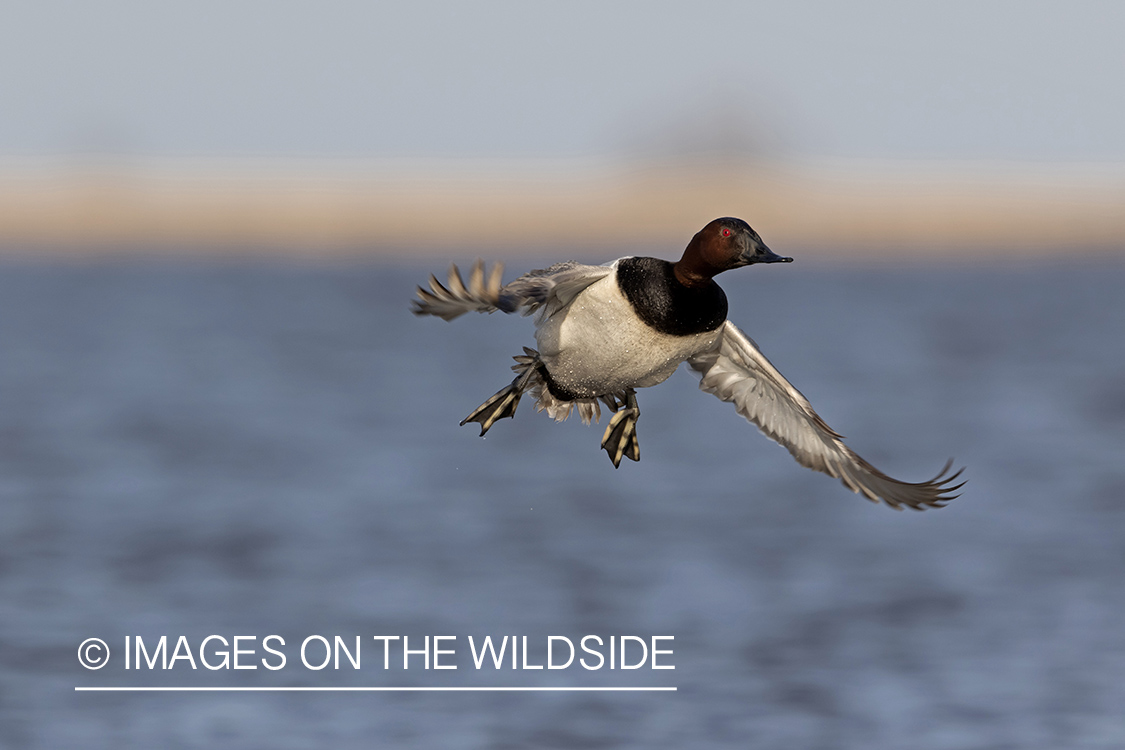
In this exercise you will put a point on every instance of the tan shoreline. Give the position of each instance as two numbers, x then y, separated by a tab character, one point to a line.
325	208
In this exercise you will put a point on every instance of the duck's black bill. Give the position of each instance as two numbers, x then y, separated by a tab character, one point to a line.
775	259
762	254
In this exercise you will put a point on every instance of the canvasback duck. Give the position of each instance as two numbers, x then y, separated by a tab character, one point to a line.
604	331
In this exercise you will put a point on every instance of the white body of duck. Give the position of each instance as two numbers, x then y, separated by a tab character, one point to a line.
597	345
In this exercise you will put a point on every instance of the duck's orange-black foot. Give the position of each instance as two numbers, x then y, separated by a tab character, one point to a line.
620	439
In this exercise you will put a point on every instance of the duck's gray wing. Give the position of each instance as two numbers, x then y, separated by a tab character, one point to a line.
558	284
735	371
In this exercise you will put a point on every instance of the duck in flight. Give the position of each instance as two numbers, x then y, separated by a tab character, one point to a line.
604	331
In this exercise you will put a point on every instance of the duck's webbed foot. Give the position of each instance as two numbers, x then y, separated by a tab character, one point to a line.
620	437
503	403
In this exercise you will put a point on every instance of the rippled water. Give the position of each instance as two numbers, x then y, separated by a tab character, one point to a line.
194	449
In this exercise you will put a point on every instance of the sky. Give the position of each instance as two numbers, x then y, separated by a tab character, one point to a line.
1020	81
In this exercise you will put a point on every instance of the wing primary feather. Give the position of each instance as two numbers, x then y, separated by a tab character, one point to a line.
485	292
456	286
736	371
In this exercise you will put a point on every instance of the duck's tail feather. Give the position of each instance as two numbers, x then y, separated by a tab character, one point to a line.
557	409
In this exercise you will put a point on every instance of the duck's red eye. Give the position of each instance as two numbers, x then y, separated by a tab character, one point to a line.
726	232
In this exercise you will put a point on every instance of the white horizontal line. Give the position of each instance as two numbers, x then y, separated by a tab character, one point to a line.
502	689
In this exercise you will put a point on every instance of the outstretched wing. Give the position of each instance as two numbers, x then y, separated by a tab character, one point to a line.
737	372
558	284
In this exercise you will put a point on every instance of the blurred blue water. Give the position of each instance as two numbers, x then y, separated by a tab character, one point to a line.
193	448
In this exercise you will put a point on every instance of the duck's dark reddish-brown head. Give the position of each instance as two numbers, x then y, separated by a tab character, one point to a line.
720	246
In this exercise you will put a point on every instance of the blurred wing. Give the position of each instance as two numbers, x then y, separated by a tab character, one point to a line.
554	287
558	284
737	372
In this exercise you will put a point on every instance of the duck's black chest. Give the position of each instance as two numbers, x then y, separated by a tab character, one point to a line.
665	304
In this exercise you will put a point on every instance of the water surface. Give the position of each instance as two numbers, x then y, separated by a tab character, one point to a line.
195	448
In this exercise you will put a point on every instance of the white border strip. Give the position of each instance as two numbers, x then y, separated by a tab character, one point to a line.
503	689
